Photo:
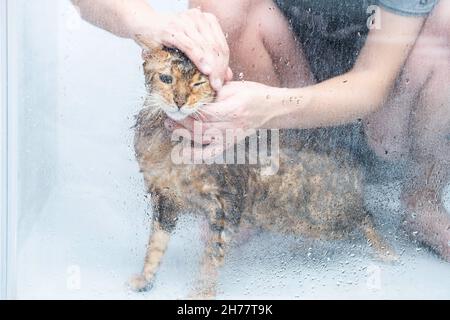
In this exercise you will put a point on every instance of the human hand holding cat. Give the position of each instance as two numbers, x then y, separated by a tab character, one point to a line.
239	106
198	34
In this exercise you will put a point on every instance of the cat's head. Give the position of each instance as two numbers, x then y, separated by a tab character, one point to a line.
174	84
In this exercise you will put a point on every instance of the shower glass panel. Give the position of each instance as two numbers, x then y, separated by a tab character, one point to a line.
75	215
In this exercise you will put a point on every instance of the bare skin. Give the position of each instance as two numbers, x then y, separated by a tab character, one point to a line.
414	122
399	85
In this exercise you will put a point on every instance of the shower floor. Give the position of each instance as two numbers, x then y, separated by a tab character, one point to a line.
85	246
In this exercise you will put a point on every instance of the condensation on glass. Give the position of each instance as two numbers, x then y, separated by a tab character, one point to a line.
75	215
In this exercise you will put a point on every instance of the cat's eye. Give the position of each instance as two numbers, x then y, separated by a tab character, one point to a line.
198	84
166	78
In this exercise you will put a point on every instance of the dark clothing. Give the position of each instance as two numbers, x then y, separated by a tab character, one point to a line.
332	32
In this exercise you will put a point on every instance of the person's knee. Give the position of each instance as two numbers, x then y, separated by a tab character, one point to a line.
231	14
432	48
439	20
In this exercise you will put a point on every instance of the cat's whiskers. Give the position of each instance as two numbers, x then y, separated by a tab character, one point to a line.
197	115
135	96
156	101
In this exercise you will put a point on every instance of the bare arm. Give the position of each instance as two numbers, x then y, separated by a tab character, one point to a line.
197	34
359	92
123	18
339	100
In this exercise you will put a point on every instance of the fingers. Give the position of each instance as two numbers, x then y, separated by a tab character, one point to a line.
209	138
200	36
188	129
230	75
182	34
215	112
224	110
228	91
202	58
172	125
219	49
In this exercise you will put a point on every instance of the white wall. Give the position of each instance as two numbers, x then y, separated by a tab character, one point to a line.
36	72
77	89
52	45
82	198
31	115
3	151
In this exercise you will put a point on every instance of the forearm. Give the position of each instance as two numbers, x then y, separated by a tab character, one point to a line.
124	18
197	34
340	100
361	91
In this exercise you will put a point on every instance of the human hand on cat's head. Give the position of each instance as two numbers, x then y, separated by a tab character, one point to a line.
239	106
197	34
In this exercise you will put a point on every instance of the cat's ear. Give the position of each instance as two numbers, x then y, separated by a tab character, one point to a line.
145	42
150	49
146	54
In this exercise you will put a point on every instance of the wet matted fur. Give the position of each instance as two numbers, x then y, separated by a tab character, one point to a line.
314	194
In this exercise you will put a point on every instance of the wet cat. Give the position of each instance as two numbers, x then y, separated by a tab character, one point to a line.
313	194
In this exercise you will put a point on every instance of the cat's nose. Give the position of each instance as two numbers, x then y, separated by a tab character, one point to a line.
180	102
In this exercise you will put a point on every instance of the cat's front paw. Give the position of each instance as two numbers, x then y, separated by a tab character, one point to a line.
139	283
